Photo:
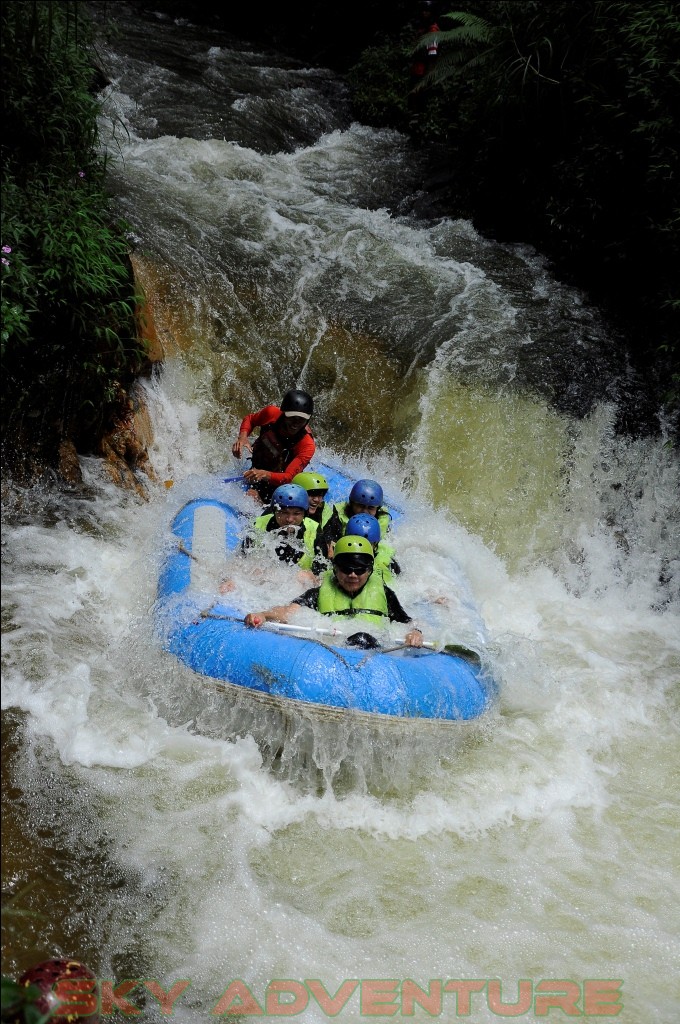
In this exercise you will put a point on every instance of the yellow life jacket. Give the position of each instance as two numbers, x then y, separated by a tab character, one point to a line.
383	516
326	513
310	529
384	556
370	603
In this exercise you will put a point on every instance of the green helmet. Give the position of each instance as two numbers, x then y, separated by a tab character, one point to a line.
311	481
350	544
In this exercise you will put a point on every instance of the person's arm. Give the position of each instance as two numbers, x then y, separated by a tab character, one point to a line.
303	453
394	609
414	637
280	613
248	425
310	599
242	444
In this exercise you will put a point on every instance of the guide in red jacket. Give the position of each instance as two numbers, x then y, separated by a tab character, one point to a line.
284	446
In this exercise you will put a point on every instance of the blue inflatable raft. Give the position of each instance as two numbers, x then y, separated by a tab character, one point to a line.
407	682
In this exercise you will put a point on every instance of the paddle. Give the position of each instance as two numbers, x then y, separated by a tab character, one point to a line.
457	650
293	627
276	627
285	627
231	479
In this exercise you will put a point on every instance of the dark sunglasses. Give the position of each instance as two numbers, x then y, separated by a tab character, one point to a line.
353	569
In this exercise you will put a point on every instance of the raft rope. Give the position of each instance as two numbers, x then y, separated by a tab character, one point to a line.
185	551
379	650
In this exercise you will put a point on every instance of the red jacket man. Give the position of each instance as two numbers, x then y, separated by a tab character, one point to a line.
285	444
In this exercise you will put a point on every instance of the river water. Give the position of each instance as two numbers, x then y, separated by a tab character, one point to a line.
147	833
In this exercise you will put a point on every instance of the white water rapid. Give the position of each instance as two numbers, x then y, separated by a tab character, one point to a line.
540	847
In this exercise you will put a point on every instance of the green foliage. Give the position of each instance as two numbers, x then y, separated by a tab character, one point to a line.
476	45
466	45
67	296
66	267
377	82
18	1003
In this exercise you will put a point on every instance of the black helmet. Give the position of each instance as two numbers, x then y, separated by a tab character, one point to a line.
297	403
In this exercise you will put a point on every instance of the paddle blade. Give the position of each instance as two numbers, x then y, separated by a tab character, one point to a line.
463	652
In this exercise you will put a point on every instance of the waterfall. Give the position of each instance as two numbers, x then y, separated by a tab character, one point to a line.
276	241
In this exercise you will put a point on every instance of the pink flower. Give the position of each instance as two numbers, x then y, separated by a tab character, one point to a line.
7	248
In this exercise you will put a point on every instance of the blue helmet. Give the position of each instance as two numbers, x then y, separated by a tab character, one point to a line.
363	525
366	492
290	496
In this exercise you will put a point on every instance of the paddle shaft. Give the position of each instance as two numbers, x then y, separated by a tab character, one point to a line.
288	627
285	627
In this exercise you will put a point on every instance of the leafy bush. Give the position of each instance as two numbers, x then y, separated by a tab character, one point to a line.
18	1003
68	302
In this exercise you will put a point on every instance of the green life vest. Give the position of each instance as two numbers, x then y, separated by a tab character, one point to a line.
326	513
370	603
383	516
384	557
310	528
